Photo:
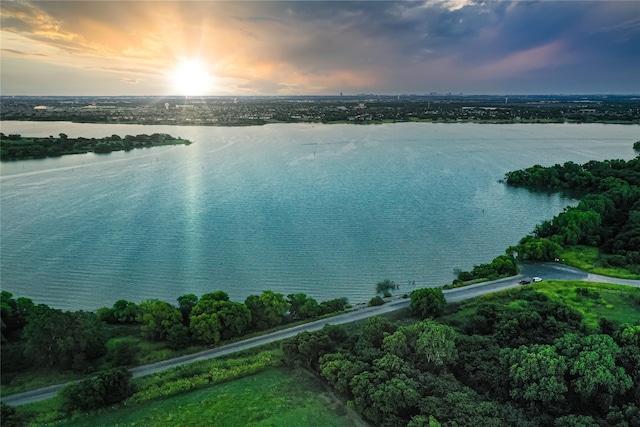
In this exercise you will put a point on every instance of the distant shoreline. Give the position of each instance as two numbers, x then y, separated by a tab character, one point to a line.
352	122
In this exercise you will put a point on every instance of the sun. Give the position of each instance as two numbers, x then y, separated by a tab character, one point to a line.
191	78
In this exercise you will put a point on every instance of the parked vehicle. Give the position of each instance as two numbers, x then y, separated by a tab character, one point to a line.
536	279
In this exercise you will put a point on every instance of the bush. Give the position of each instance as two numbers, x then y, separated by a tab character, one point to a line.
427	302
376	301
107	388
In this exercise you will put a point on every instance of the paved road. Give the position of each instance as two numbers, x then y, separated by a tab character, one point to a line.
545	270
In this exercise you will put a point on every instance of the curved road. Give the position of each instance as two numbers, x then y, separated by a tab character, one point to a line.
550	271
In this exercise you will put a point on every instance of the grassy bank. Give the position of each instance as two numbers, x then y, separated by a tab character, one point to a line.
590	259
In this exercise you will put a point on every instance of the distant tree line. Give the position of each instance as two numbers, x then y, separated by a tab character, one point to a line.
16	147
607	216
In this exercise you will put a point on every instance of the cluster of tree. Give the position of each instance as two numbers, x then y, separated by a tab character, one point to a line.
607	217
49	337
501	266
530	363
14	146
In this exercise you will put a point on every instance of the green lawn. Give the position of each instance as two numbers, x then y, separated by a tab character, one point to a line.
272	397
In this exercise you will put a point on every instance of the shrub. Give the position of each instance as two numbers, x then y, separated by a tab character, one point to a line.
376	301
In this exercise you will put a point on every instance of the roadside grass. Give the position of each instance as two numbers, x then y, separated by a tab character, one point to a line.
272	397
172	382
590	259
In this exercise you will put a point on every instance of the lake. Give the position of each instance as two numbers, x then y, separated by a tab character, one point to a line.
327	210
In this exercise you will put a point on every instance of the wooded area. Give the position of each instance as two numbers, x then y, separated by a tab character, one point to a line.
607	216
519	359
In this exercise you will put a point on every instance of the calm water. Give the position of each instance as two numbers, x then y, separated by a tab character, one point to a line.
325	210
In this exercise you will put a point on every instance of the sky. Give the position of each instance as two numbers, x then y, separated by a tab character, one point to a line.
255	48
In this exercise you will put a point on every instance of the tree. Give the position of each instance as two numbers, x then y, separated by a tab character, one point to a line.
13	315
537	249
306	348
427	302
267	310
385	287
376	301
536	374
375	329
302	307
64	339
338	369
125	311
214	317
157	317
186	304
593	372
435	346
333	305
178	337
206	327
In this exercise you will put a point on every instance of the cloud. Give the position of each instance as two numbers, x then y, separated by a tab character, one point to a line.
306	47
18	52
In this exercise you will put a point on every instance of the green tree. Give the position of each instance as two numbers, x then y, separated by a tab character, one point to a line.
302	307
178	337
64	339
435	346
125	311
375	329
338	369
536	249
267	310
385	287
157	317
592	366
427	302
214	317
536	374
186	304
376	301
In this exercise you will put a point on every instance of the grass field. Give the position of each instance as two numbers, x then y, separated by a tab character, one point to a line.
272	397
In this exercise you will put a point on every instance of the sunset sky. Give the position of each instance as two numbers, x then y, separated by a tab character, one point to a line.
319	47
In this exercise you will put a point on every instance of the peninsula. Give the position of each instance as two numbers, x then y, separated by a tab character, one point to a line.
17	147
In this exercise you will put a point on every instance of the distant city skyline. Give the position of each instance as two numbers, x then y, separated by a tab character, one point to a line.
249	48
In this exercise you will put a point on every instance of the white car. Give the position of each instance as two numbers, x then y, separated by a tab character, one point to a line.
536	279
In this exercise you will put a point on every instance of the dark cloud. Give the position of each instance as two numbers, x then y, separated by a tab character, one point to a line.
408	46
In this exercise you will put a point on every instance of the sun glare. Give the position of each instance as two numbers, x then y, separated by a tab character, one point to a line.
191	78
